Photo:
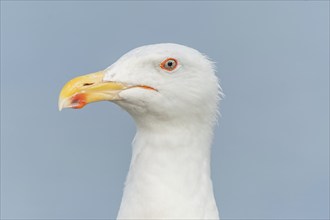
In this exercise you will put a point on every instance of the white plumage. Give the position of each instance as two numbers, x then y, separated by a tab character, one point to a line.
175	111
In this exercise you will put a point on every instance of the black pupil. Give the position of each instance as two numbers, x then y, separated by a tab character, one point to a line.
169	63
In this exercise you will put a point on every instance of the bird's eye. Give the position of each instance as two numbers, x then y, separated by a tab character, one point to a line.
169	64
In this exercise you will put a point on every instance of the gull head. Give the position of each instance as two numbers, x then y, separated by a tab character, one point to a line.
161	81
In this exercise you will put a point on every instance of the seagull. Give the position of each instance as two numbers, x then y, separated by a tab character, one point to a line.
172	93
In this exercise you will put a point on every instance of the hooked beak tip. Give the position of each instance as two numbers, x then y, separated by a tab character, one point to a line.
60	105
63	103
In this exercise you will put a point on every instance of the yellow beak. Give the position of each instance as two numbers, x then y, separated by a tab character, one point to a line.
82	90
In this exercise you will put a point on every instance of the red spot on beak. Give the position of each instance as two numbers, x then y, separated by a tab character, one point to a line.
78	101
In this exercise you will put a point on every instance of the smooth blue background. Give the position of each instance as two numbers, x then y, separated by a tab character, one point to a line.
271	149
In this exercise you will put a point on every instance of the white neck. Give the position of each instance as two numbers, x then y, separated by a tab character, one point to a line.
169	176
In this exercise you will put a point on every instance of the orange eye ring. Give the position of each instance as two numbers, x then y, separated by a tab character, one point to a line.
169	64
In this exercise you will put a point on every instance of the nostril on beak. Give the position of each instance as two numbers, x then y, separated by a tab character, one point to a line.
88	84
